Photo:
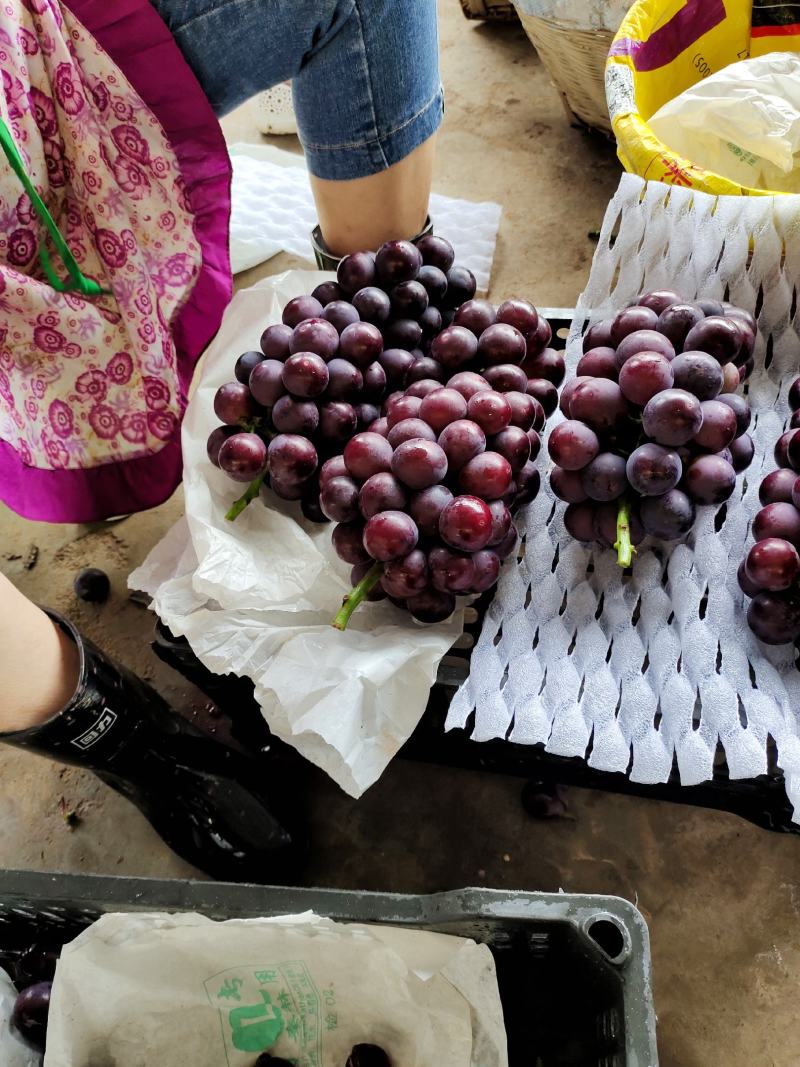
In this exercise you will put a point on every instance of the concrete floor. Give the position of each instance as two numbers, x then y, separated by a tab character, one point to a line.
722	898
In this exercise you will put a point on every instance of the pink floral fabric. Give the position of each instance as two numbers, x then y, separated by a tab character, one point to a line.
86	382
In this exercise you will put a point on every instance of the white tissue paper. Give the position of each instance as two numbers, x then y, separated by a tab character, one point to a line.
256	597
272	211
742	122
641	672
14	1052
172	990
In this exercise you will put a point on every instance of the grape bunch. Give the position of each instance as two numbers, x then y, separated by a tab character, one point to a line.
423	499
770	573
653	426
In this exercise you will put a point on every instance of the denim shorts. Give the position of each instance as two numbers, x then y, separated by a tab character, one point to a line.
365	73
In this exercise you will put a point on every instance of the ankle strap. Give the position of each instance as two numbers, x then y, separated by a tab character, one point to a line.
327	261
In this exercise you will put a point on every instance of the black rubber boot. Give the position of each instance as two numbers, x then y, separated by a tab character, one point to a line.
327	261
208	802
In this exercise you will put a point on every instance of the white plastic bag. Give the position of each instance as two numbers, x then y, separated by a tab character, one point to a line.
256	597
582	14
178	990
742	122
14	1052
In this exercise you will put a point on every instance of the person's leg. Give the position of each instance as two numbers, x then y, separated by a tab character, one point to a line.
29	696
365	76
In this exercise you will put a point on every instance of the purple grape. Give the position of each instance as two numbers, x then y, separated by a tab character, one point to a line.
409	300
605	525
451	572
380	426
487	570
794	395
599	403
426	506
513	443
328	293
490	410
547	364
356	271
644	375
476	315
747	587
659	300
501	344
275	341
545	392
397	261
709	480
367	454
374	382
337	421
382	492
30	1012
295	416
526	411
567	485
404	406
345	381
305	374
466	523
653	470
266	382
367	414
291	457
332	468
644	341
718	336
698	373
315	335
631	320
338	499
775	617
425	369
781	450
422	387
234	404
579	521
598	336
778	520
244	365
567	391
390	535
731	311
348	543
406	577
431	322
419	463
300	308
772	564
487	476
672	417
709	306
243	457
435	282
540	338
461	287
455	347
598	363
676	321
361	344
436	252
505	547
669	516
462	441
506	378
777	486
402	333
573	445
718	428
741	409
396	362
501	522
442	407
468	383
340	315
605	478
372	305
521	315
431	606
377	592
216	439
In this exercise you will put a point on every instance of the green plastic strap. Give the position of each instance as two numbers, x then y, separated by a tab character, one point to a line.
77	279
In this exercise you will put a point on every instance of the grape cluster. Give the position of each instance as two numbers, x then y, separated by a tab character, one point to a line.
770	573
422	500
653	424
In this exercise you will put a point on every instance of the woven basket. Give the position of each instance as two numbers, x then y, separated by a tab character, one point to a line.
498	10
575	59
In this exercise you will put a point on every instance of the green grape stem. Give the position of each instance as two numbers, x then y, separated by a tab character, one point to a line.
250	493
623	543
358	593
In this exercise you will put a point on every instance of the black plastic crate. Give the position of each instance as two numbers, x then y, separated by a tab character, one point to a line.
573	971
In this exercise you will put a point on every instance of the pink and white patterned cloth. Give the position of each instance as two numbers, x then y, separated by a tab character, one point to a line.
92	390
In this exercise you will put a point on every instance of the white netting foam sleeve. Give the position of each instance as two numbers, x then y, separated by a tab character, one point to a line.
636	670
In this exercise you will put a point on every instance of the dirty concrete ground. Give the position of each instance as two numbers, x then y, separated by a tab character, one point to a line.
722	898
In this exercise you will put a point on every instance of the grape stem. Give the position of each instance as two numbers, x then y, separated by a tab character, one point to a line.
250	493
623	543
356	595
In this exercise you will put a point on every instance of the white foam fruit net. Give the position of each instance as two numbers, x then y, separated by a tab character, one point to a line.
640	670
